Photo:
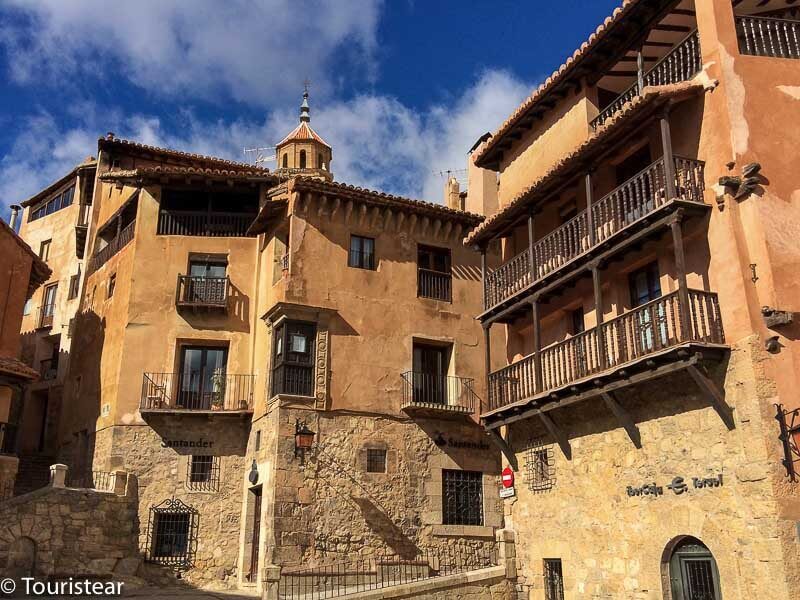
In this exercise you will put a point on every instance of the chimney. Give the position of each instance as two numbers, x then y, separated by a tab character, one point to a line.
482	197
15	208
452	194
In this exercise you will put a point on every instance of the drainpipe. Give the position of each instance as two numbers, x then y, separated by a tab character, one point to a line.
15	208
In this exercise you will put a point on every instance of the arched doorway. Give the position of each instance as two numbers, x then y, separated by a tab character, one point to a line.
692	571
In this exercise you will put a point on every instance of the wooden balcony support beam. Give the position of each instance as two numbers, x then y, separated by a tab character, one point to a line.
710	389
537	344
623	417
669	159
487	343
680	267
504	447
531	259
598	309
558	435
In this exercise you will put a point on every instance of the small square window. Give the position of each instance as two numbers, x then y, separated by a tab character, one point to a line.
376	460
362	253
203	473
112	283
298	343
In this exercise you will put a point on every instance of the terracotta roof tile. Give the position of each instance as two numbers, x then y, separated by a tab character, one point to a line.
303	132
649	96
16	369
158	171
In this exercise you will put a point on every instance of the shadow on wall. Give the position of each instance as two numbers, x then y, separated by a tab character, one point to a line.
236	318
454	437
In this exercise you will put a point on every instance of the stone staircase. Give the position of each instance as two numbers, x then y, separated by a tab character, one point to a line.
33	473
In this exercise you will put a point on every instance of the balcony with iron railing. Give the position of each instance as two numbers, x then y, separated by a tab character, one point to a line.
765	36
613	216
103	255
202	292
430	393
45	318
655	328
197	393
682	63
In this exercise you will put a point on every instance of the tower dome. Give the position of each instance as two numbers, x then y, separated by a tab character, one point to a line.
303	151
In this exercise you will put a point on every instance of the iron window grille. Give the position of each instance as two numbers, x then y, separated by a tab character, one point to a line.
553	579
376	460
362	253
462	497
172	534
540	471
202	474
293	352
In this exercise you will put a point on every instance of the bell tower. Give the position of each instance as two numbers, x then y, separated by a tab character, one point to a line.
303	151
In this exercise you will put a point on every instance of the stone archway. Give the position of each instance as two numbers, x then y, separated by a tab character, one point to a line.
689	571
21	558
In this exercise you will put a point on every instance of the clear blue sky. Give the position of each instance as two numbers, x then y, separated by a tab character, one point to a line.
400	88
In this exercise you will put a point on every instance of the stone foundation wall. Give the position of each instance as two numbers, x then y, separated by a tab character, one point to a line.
59	531
612	540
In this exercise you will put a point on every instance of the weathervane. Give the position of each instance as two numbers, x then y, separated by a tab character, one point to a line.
306	84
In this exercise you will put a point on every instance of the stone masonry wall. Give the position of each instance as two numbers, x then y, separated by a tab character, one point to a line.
71	532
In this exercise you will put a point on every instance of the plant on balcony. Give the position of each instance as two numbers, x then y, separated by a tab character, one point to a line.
217	389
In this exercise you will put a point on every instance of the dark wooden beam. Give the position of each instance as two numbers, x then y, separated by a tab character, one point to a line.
503	446
624	418
678	28
620	73
684	12
707	385
559	436
656	44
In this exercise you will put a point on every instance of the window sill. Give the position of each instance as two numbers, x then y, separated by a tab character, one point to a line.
289	398
463	531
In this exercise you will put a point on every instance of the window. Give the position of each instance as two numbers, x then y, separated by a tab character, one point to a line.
74	286
462	497
207	213
568	211
633	164
645	285
207	282
285	163
320	161
172	534
434	277
429	377
26	310
539	466
202	473
112	284
202	378
44	250
553	579
293	358
48	306
376	460
56	203
362	253
258	440
302	159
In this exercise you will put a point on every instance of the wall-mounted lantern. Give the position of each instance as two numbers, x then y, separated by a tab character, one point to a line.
303	438
253	476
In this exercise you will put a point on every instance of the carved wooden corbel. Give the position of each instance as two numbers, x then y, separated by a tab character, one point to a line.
401	218
348	211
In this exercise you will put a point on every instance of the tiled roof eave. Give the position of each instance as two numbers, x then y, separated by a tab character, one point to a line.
151	173
501	220
13	368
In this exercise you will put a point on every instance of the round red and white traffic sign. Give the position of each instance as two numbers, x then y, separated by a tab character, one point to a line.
508	477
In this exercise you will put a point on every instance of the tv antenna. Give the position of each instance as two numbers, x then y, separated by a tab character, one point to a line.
259	156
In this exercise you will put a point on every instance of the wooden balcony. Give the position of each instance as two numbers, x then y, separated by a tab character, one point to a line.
652	334
428	394
775	38
102	256
630	207
681	64
195	394
203	223
202	292
434	285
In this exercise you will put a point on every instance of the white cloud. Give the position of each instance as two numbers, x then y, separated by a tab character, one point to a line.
251	52
378	142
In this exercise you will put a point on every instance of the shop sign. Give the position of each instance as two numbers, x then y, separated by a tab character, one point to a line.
678	486
442	442
201	443
507	492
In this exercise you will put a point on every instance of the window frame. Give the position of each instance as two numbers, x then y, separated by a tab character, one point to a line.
44	249
112	285
434	283
652	273
377	459
74	286
159	515
553	575
286	361
362	259
202	473
462	483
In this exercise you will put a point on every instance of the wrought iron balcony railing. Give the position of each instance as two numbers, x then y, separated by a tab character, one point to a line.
202	292
434	285
440	392
640	196
46	313
776	38
193	391
202	223
681	64
8	438
645	330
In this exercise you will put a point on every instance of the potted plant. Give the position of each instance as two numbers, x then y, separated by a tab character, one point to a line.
217	389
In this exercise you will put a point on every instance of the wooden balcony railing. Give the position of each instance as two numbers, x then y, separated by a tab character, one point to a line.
102	256
214	224
46	313
776	38
195	391
202	292
434	284
428	390
8	438
681	64
645	330
638	197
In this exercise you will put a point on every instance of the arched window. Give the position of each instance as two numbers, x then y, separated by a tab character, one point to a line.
691	571
302	159
320	163
285	161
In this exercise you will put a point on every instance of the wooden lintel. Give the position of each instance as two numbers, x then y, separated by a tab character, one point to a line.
707	385
624	418
558	435
501	444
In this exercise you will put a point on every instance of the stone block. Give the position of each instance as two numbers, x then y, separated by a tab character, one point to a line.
127	566
101	566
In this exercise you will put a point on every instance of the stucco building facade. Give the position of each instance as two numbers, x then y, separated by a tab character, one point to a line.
646	303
